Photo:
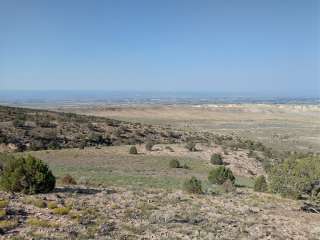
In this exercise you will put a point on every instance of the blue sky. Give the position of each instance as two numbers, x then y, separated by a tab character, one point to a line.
214	46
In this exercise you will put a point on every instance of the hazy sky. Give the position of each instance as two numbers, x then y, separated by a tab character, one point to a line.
215	46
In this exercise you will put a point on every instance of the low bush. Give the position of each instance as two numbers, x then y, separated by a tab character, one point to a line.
185	166
61	211
39	203
82	145
216	159
149	145
220	174
174	163
191	146
26	174
52	205
193	185
68	180
36	222
35	202
17	123
95	138
133	150
295	177
260	184
6	225
37	144
3	213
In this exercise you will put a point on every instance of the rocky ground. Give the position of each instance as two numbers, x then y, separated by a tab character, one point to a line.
79	212
23	129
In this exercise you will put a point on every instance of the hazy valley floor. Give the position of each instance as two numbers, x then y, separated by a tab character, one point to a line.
140	196
285	127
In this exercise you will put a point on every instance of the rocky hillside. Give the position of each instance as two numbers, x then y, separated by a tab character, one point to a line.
28	129
117	213
33	129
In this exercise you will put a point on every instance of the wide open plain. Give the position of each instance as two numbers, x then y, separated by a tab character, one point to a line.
286	127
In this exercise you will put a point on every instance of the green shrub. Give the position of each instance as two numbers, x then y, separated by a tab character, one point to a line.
191	146
36	145
193	185
220	174
53	145
174	163
149	146
82	144
133	150
68	180
96	138
17	123
260	184
26	174
216	159
185	166
294	177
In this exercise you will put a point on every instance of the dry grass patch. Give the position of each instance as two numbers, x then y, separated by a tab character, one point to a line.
3	212
6	225
61	211
52	205
4	203
35	222
36	202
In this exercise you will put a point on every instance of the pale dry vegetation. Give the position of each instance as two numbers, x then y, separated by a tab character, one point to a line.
171	184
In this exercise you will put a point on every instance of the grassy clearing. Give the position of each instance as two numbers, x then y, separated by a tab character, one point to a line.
114	166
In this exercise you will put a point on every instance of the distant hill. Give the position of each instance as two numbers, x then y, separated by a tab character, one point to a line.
24	129
29	129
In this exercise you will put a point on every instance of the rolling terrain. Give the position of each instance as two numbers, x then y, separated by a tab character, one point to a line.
118	195
284	127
